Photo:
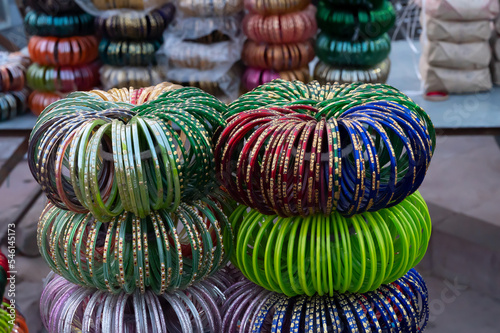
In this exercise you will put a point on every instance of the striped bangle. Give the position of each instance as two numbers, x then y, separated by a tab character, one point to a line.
12	71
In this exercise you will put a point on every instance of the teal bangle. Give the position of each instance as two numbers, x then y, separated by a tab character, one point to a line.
323	254
343	22
129	53
362	52
41	24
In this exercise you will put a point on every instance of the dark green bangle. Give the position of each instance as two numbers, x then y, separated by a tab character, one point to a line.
41	24
346	22
362	52
129	53
369	4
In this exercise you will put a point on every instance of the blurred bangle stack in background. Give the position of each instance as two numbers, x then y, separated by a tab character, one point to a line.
455	49
495	60
63	49
13	91
353	45
280	43
131	34
203	46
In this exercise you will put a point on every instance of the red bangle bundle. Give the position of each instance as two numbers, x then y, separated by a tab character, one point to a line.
287	28
68	51
278	56
12	71
39	100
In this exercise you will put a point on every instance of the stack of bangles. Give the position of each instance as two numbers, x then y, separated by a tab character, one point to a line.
350	148
326	253
377	74
13	94
67	51
212	8
40	24
11	320
128	4
129	53
63	78
134	26
279	42
67	307
270	7
53	7
400	306
162	252
91	154
118	77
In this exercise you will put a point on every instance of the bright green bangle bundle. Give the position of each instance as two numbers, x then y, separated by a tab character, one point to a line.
353	42
288	144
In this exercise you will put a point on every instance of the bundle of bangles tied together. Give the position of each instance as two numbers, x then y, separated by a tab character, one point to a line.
11	319
292	209
13	90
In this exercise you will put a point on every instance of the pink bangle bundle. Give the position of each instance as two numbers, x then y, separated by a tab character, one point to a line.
254	77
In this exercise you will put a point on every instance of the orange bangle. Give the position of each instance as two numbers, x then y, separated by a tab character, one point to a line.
39	100
278	57
278	29
12	71
269	7
69	51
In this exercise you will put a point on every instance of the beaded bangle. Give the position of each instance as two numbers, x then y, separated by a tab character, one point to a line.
270	7
133	27
360	53
124	77
39	100
54	7
40	24
12	71
13	104
66	307
281	29
402	306
70	51
294	161
106	157
254	77
345	23
295	255
278	57
63	79
325	73
161	252
212	8
129	53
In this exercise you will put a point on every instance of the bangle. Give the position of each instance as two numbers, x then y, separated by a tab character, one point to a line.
345	23
132	27
129	53
295	151
128	4
65	307
295	255
39	100
163	252
54	7
402	304
254	77
266	7
213	8
281	29
12	71
124	77
365	4
13	104
362	52
40	24
63	79
278	57
70	51
325	73
90	154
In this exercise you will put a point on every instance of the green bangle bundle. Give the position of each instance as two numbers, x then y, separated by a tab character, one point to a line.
163	251
325	73
362	52
322	254
369	4
129	53
346	23
89	154
40	24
